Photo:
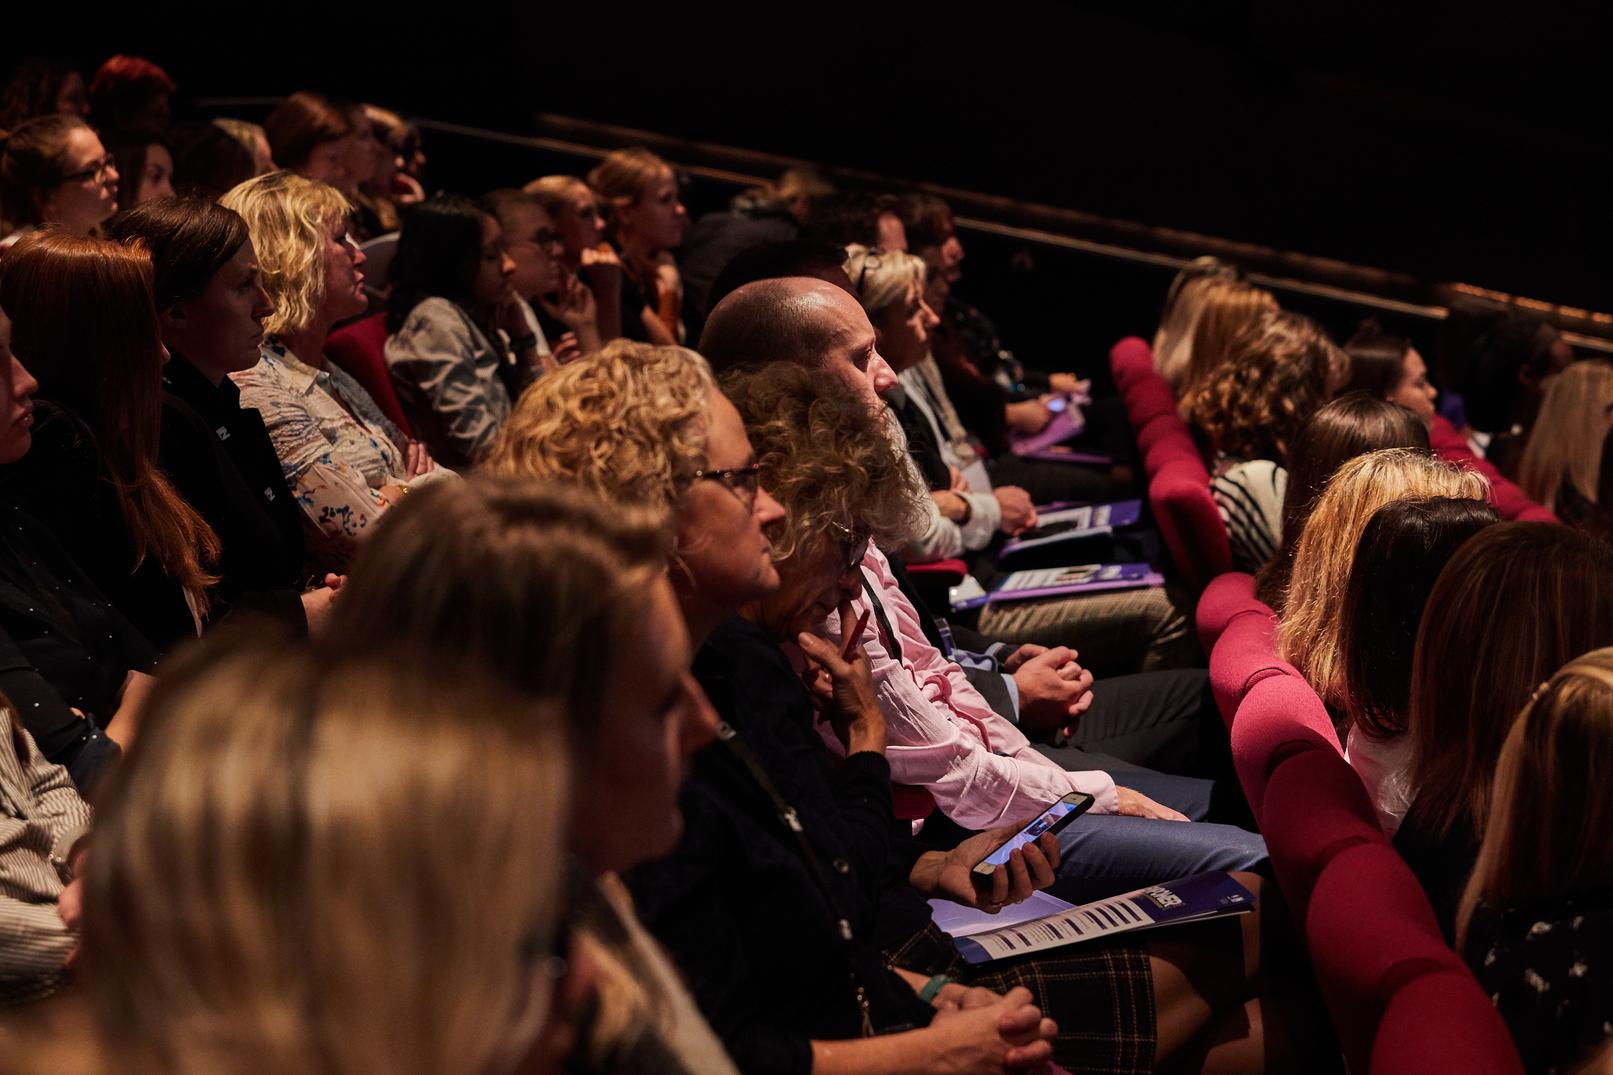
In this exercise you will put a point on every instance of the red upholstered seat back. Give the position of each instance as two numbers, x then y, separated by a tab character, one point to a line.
360	350
1513	503
1178	482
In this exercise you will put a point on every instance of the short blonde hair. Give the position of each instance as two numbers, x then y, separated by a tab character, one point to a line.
625	176
630	421
555	191
883	278
327	861
1309	636
287	216
1565	444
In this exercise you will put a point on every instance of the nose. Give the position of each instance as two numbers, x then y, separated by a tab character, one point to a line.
23	385
262	305
880	374
358	254
767	509
506	265
165	354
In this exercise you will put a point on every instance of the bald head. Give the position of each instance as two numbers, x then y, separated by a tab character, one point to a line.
801	320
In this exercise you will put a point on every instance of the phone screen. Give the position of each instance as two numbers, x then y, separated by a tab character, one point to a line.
1057	404
1053	819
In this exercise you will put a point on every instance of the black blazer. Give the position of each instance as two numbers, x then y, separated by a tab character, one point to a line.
219	457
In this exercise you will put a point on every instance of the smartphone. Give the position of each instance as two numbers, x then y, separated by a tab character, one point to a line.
1053	819
1057	404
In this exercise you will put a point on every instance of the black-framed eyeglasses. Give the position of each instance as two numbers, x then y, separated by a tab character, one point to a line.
743	482
856	545
871	260
96	171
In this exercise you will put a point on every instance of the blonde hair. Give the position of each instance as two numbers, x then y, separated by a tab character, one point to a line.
317	861
1550	829
287	216
625	176
630	421
1565	444
1184	302
1309	636
555	191
1227	309
883	278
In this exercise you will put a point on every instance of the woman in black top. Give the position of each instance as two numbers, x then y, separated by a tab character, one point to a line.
211	305
69	663
83	322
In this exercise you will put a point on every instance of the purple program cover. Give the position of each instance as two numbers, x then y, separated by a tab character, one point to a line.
1057	454
1065	424
1062	581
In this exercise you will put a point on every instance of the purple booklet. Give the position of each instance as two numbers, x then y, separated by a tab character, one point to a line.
1058	453
1062	581
1192	899
1065	424
1063	521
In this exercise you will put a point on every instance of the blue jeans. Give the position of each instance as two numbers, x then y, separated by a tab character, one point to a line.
1106	854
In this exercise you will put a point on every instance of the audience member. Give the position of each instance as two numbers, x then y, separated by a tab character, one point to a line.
320	861
253	139
510	575
86	328
856	216
344	462
1184	304
647	222
1516	602
1389	368
394	182
314	136
575	211
1402	550
54	170
211	304
1562	463
1352	425
40	87
740	890
69	662
209	161
560	303
1309	636
1534	920
145	170
462	345
364	154
770	213
1250	405
1506	368
131	95
1231	309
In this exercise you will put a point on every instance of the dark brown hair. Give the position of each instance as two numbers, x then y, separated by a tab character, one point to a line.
1513	605
1402	550
1349	426
83	321
190	238
1377	360
302	122
31	163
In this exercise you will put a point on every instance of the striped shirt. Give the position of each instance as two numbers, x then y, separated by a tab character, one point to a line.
1250	498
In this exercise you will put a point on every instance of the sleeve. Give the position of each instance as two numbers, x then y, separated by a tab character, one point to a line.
338	505
34	944
686	900
54	795
985	516
61	735
432	359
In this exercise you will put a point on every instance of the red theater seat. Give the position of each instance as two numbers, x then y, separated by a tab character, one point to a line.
360	350
1511	501
1178	482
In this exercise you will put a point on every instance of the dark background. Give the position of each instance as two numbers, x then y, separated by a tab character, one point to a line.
1427	138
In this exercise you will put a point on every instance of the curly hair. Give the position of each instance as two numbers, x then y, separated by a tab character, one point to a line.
826	458
630	422
1278	371
287	215
1310	636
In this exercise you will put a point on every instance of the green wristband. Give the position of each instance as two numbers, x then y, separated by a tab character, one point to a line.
933	987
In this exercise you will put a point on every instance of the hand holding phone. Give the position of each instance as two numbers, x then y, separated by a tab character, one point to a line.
1051	820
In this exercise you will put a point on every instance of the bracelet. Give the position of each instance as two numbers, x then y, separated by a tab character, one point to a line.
933	987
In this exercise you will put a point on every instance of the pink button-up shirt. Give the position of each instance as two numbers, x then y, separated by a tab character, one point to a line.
943	734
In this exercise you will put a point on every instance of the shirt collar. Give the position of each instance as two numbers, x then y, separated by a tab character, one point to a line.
297	372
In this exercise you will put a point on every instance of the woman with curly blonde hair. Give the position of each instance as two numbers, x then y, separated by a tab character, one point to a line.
344	461
320	862
1250	407
1310	634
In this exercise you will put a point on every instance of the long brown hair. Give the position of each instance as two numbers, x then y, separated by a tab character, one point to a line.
1542	844
84	324
1516	602
1228	308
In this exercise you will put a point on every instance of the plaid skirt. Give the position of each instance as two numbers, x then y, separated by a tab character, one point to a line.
1101	993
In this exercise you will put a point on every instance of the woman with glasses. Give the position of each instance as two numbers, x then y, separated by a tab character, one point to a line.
561	304
345	463
462	347
54	170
